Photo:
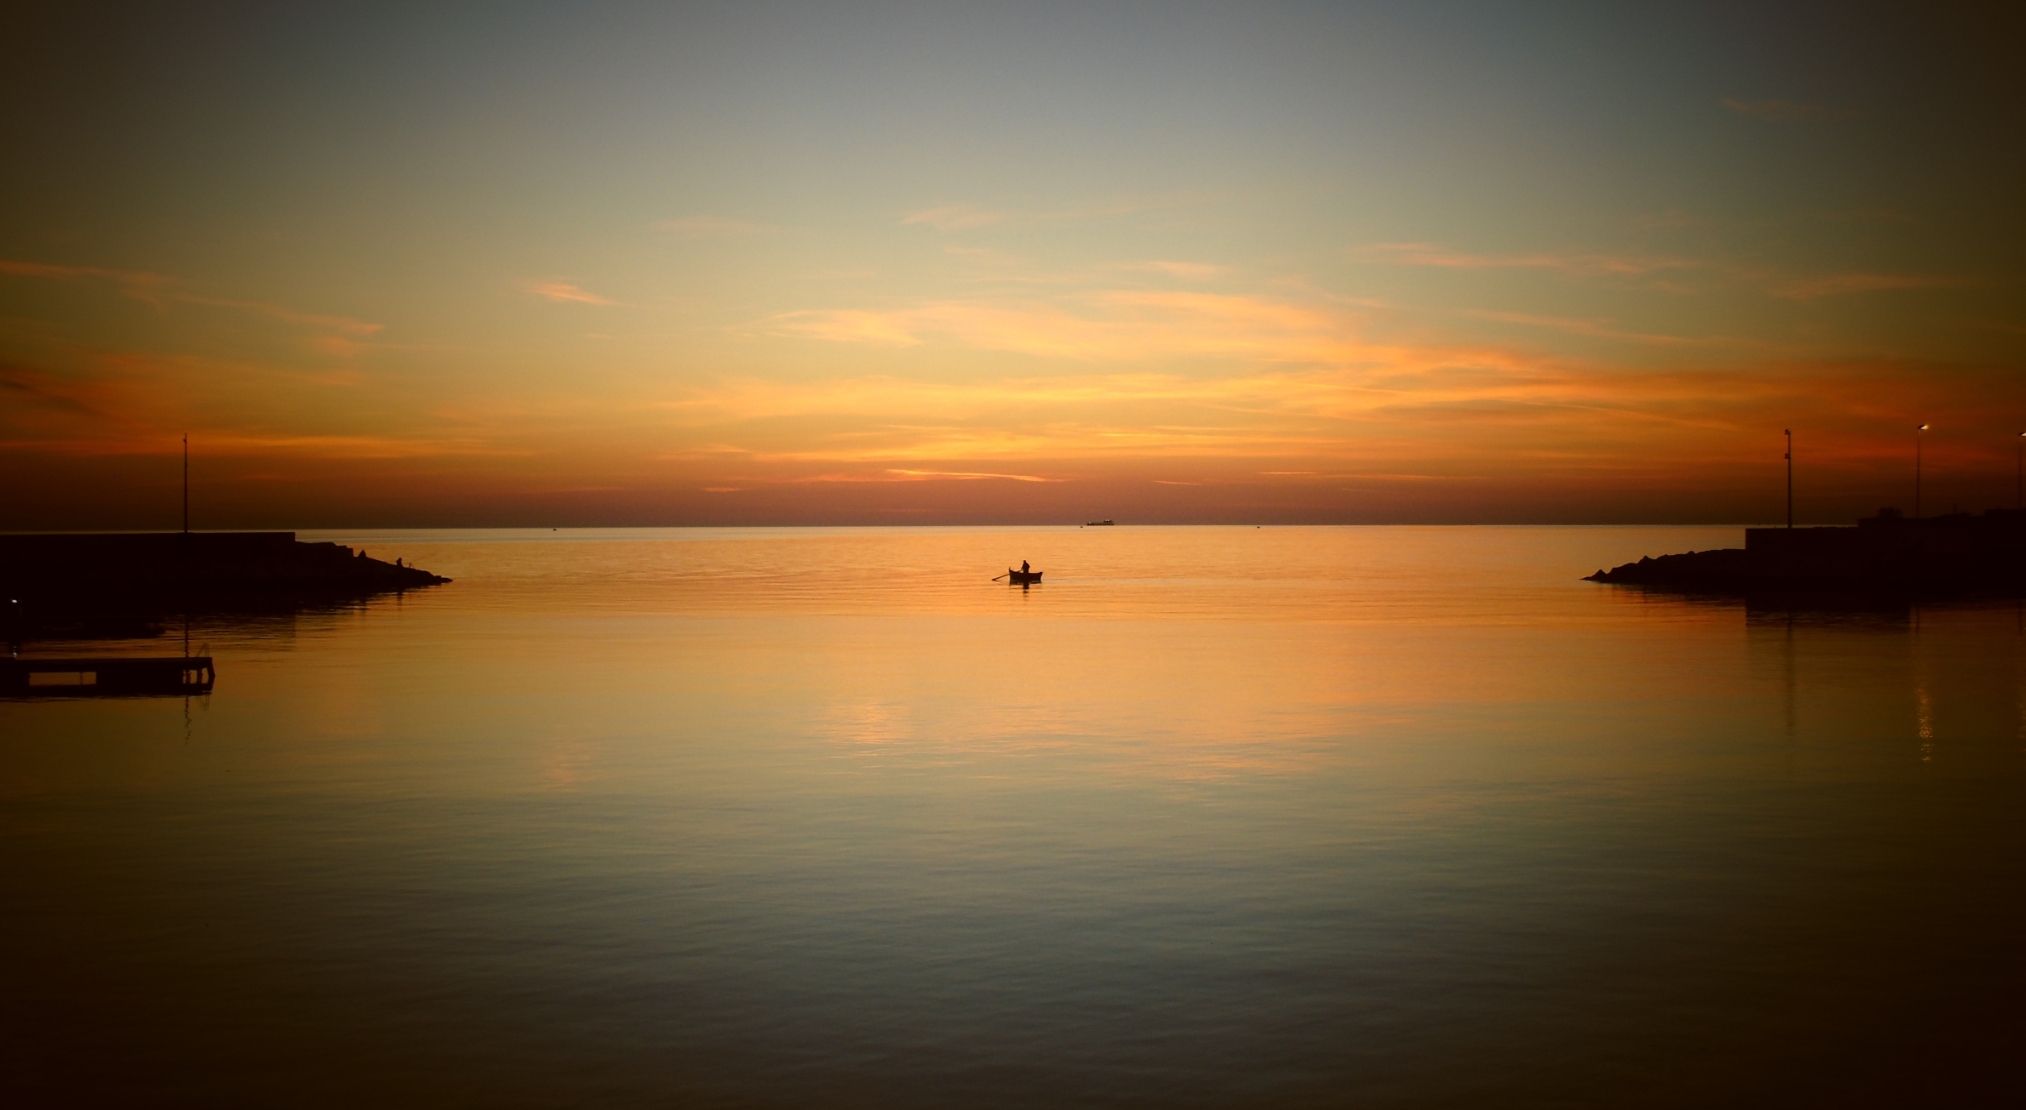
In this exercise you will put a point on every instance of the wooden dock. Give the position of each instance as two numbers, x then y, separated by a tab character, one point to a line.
118	676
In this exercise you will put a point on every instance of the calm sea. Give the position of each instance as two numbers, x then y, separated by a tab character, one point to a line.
1213	817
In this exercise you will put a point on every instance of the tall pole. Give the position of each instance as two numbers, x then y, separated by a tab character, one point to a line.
1916	469
185	545
2020	479
1790	477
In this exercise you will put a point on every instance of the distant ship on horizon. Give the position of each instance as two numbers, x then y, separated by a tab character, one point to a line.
1105	523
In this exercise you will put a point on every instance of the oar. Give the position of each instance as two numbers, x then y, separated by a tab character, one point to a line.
1002	576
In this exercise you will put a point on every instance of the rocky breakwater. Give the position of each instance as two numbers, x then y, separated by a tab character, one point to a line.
61	579
1885	556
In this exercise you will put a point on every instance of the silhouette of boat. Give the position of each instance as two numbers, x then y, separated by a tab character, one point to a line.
1022	577
1106	523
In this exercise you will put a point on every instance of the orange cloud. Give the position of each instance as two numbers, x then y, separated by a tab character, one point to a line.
68	399
963	476
1187	271
889	474
135	282
1178	392
347	446
956	217
563	291
849	326
1105	325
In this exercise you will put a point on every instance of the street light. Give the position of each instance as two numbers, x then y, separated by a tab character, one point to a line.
1916	470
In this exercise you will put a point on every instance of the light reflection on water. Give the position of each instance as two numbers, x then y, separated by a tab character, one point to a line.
1214	816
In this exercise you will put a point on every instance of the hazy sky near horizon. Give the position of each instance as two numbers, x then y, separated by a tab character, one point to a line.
882	263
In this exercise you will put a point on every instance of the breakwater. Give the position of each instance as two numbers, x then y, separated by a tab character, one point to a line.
1887	555
65	579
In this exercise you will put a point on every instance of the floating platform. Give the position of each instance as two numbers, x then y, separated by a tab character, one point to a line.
113	677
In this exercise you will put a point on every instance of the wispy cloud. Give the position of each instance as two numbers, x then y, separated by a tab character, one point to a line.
123	439
967	476
1579	263
891	329
1430	404
876	475
984	255
1779	111
1187	271
565	292
98	402
287	315
1103	325
712	227
255	443
1771	281
1832	285
957	217
139	284
1296	376
32	387
1595	328
964	216
1119	370
1370	476
900	474
160	290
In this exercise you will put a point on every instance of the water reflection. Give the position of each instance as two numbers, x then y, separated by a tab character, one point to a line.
1218	817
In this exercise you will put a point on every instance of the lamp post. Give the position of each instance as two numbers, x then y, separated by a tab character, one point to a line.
1916	469
1790	477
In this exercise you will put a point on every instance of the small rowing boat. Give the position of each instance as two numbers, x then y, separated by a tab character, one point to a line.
1022	577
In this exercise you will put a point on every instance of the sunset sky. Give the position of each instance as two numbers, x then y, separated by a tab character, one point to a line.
762	263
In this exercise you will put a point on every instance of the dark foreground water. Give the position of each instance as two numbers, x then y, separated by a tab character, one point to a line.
1218	817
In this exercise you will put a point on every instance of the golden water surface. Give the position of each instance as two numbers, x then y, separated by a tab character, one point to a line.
1213	816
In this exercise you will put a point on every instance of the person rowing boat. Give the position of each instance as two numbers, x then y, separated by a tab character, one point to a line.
1026	575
